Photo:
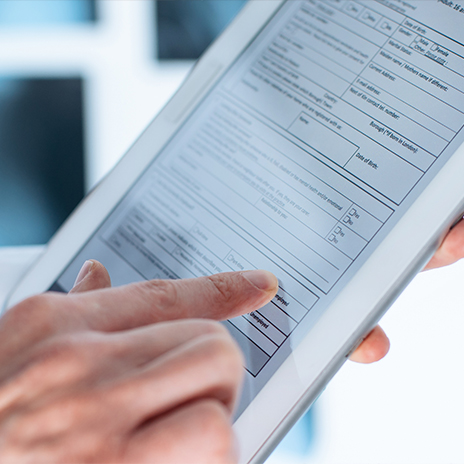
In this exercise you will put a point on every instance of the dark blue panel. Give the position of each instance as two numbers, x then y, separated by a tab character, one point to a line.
41	156
186	27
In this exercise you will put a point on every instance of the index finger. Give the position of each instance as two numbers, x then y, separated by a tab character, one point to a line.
451	250
219	297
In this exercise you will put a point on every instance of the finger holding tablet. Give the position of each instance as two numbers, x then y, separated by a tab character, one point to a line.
376	344
452	248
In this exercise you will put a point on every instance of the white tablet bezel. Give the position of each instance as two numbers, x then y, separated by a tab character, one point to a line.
305	373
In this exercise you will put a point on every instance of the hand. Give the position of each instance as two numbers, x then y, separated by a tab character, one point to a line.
376	345
114	375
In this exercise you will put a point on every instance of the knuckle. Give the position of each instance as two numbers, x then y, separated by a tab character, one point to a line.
33	308
210	327
19	427
223	288
217	429
40	301
60	348
39	314
68	413
39	423
60	358
225	352
162	293
24	428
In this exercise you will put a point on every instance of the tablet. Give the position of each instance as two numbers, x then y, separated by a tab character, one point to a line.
321	140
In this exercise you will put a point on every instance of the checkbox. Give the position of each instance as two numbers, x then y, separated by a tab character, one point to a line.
337	230
346	219
332	238
352	212
386	26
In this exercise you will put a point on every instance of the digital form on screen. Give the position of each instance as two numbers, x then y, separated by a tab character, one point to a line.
300	159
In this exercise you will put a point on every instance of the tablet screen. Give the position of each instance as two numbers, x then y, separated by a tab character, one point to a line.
301	158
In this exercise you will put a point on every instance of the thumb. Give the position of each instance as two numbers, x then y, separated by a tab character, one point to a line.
220	296
92	276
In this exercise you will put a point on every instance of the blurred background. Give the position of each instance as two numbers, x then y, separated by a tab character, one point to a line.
79	81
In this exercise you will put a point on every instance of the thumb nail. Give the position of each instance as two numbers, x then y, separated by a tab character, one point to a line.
85	270
264	280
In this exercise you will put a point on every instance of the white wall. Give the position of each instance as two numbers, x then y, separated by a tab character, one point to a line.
409	407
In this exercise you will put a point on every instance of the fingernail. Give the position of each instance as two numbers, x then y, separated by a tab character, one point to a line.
264	280
85	270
